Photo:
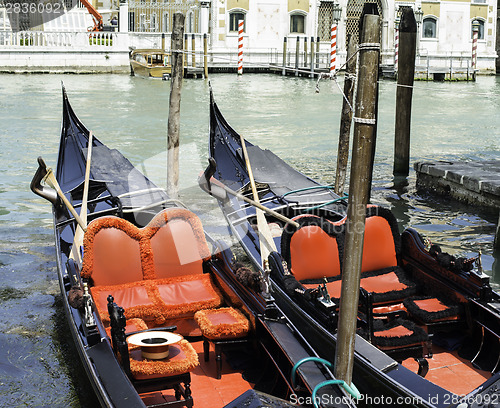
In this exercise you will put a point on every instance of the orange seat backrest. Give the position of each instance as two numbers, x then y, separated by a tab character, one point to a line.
112	252
313	254
117	252
379	250
178	243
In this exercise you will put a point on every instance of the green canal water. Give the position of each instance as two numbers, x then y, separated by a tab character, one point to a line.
38	365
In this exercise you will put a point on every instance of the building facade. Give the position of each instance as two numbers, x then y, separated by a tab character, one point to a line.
444	29
444	26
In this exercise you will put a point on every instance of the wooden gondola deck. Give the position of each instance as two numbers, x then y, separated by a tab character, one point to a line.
448	370
208	392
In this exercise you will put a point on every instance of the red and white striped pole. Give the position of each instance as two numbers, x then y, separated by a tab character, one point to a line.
333	49
396	47
475	31
240	47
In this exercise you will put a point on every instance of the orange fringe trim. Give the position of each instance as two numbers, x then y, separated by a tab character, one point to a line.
165	368
240	328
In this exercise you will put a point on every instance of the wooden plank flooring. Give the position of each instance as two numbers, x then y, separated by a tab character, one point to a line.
208	392
451	372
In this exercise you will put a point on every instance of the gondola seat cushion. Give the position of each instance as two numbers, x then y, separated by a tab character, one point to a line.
386	285
429	309
223	323
399	333
182	359
154	273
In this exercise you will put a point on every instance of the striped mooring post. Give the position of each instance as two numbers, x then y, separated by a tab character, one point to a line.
474	49
240	47
396	49
333	49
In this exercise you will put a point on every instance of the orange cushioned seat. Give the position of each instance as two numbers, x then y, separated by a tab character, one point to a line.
154	273
386	285
182	358
312	250
223	323
225	327
429	309
399	333
380	273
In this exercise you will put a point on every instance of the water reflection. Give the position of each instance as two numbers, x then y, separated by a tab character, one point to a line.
38	363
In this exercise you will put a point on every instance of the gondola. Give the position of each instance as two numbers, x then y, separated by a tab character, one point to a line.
428	323
153	305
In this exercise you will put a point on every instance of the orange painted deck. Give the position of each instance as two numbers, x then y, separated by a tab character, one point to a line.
208	392
451	372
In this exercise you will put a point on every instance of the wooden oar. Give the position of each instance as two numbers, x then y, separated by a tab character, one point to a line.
266	241
51	180
211	186
78	239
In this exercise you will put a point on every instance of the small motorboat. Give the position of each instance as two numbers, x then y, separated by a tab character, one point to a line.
154	307
428	323
150	63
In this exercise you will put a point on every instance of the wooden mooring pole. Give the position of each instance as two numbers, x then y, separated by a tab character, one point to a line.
193	51
312	57
496	242
185	54
305	51
283	72
404	92
174	110
297	54
346	118
364	127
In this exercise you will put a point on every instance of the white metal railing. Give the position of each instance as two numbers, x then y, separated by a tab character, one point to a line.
449	63
38	39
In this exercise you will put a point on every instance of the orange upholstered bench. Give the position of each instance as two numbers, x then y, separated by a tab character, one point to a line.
155	273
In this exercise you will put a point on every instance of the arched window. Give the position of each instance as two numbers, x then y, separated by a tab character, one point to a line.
429	28
234	17
480	33
297	23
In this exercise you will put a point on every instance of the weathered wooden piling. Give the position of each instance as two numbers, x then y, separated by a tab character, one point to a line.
297	54
496	242
283	72
312	57
185	54
346	118
404	92
364	126
193	51
175	107
317	52
305	51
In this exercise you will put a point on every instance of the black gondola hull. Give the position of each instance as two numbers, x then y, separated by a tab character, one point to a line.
375	374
